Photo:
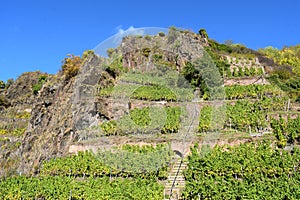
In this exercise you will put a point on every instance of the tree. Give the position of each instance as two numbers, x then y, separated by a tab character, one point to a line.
286	56
192	75
203	33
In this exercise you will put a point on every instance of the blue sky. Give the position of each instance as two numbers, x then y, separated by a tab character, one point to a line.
38	34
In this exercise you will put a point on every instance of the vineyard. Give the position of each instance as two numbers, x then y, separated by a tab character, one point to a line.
145	120
195	119
127	161
128	172
286	131
252	91
148	92
247	171
58	187
243	115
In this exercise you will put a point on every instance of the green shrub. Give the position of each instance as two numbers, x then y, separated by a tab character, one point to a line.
146	120
154	93
18	132
252	71
283	73
37	87
241	72
140	116
260	71
229	73
161	34
203	33
109	128
247	71
115	68
157	57
235	72
3	131
205	119
86	54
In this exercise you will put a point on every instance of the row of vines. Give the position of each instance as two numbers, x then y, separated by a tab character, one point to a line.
145	120
126	172
65	188
246	171
242	115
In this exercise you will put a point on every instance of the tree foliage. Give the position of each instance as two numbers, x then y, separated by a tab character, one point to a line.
286	56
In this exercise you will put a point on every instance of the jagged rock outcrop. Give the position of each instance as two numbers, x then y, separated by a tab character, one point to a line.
14	117
175	49
84	101
20	92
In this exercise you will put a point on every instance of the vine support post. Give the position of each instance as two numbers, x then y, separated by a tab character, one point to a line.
288	104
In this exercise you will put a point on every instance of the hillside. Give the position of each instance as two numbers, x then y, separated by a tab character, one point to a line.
163	116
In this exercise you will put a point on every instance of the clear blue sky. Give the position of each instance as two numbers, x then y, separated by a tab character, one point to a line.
38	34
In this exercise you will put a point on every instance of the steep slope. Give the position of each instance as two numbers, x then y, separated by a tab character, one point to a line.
62	110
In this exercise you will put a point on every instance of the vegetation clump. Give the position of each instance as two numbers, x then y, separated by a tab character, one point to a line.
37	87
246	171
71	66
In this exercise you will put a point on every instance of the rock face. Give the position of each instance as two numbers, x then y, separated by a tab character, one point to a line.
20	93
50	128
174	49
84	101
62	112
14	119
